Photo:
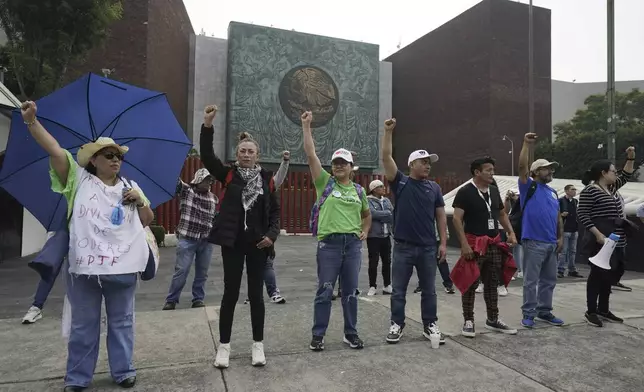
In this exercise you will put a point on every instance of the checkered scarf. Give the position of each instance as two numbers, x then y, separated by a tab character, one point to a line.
253	188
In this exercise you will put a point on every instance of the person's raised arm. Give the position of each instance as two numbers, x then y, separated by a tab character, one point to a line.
59	160
280	176
206	150
387	159
309	146
524	157
627	172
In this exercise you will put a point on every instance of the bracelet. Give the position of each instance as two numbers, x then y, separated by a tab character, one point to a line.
140	205
630	159
30	123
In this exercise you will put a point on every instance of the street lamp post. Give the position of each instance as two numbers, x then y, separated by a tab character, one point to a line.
611	78
530	79
505	137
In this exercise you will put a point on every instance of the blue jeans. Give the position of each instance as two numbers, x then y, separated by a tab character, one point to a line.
539	277
85	294
406	257
269	278
568	253
338	256
188	251
517	253
44	288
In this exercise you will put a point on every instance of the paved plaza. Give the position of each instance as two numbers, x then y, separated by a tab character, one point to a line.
175	349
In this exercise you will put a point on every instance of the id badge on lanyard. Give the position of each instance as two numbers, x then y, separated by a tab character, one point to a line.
490	221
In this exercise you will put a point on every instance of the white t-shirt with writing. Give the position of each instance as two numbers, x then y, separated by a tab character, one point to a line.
98	246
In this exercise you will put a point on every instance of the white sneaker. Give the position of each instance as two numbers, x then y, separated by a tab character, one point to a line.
519	275
33	314
223	356
278	299
259	359
387	290
502	291
479	289
372	291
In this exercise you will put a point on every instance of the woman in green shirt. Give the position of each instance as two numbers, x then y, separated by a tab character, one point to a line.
341	221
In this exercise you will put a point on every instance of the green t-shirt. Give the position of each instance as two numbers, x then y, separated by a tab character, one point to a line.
341	213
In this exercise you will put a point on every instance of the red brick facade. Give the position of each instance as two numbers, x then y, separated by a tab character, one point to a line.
148	47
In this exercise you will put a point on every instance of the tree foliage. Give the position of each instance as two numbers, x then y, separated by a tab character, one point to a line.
45	36
583	140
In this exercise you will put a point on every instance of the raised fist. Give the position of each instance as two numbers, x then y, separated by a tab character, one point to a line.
630	152
390	125
530	137
286	155
209	114
307	117
28	110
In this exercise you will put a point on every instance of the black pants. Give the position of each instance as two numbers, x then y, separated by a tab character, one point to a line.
233	270
379	248
600	281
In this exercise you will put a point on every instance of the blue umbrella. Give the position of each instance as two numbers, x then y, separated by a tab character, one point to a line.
80	113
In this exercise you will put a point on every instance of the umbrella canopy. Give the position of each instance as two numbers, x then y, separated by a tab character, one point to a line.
80	113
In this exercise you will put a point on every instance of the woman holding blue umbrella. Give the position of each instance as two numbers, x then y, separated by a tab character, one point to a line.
107	249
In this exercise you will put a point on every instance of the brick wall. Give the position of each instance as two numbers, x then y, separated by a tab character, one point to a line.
460	88
168	48
149	47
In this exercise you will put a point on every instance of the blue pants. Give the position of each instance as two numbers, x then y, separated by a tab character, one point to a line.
44	288
269	278
406	257
539	277
338	255
568	253
188	251
85	294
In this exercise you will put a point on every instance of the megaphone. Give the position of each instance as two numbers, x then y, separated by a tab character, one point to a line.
602	259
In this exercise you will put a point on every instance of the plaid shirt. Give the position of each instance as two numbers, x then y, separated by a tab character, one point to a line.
197	212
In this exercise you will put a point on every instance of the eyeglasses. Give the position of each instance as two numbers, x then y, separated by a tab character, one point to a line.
111	155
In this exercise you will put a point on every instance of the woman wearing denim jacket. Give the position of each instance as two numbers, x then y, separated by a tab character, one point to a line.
378	240
342	224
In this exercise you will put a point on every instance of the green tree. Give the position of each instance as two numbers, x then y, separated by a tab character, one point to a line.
583	140
45	36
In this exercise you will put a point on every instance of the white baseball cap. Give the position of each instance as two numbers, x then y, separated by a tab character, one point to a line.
540	163
342	153
375	184
421	154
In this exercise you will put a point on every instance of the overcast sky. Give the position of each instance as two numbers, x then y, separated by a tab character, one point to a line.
578	27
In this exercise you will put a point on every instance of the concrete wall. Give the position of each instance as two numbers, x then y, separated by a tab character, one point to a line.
209	87
568	97
384	102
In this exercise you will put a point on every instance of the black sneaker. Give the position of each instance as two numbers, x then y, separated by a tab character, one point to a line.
468	329
450	290
246	301
621	287
418	290
198	304
395	333
593	319
432	329
317	343
575	274
500	326
609	316
560	275
353	341
169	306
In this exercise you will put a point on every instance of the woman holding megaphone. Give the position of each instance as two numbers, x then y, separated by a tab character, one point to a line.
602	214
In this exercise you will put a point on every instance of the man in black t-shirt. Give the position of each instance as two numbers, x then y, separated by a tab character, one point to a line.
568	208
478	210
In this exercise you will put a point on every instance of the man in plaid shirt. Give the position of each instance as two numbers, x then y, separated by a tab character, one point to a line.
197	206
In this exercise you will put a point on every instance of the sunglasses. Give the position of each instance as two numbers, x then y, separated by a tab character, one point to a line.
111	155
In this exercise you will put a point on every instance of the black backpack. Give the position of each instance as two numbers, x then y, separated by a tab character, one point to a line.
516	215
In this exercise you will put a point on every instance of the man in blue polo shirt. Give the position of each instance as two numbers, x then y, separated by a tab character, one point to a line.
419	206
541	236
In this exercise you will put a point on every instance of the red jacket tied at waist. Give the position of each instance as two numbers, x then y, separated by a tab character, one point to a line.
466	272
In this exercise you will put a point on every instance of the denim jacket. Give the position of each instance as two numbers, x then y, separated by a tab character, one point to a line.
381	217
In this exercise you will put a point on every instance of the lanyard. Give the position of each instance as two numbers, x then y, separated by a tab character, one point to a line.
488	204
